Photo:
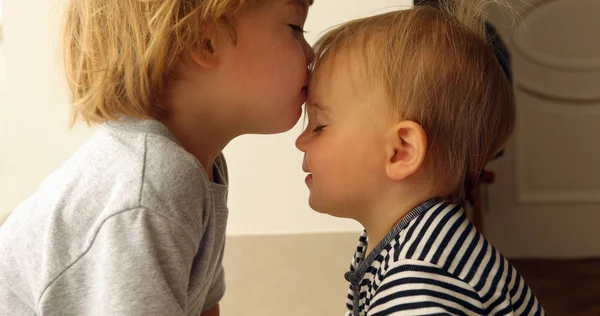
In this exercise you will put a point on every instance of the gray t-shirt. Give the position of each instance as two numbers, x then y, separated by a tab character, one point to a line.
130	225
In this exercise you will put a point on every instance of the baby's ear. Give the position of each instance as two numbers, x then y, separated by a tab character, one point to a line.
206	53
406	150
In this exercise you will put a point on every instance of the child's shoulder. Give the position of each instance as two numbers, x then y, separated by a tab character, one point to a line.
166	174
151	145
127	165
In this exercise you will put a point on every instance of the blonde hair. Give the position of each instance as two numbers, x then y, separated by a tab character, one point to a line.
119	53
436	69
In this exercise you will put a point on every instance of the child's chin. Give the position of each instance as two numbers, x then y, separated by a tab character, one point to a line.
283	124
289	125
294	118
277	129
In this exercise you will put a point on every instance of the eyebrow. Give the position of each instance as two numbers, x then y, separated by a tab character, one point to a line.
317	106
302	4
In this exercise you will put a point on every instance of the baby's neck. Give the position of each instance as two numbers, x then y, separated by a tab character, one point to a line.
385	215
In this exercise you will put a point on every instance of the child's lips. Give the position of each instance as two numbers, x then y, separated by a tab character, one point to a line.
305	86
304	94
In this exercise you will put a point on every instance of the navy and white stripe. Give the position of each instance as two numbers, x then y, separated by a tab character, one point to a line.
435	262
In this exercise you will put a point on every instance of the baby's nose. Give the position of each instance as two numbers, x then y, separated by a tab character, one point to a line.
301	142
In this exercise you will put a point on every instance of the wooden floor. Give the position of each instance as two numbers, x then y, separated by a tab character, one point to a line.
564	287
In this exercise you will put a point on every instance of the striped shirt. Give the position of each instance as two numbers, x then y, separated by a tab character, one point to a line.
435	262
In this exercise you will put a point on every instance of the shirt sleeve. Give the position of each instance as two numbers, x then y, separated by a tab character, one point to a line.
138	263
412	287
217	290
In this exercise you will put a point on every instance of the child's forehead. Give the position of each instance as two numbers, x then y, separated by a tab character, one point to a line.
303	4
300	5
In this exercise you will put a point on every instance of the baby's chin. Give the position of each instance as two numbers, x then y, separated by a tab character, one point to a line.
323	209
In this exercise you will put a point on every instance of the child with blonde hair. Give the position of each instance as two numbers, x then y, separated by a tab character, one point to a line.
404	110
134	222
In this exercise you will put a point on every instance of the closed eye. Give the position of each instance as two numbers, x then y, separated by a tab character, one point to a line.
297	28
319	128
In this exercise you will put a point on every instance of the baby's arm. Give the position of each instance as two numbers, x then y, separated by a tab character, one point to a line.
138	263
412	287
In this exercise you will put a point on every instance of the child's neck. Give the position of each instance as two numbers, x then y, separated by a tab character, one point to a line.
391	209
204	140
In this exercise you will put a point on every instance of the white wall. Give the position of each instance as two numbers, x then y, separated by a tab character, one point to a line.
34	139
267	188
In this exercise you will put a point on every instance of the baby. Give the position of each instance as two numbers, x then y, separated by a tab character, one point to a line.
404	110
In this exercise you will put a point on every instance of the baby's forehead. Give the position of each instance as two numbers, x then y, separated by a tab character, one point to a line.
343	79
344	65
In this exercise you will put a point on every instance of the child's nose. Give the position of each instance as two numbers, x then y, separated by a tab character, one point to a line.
309	52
